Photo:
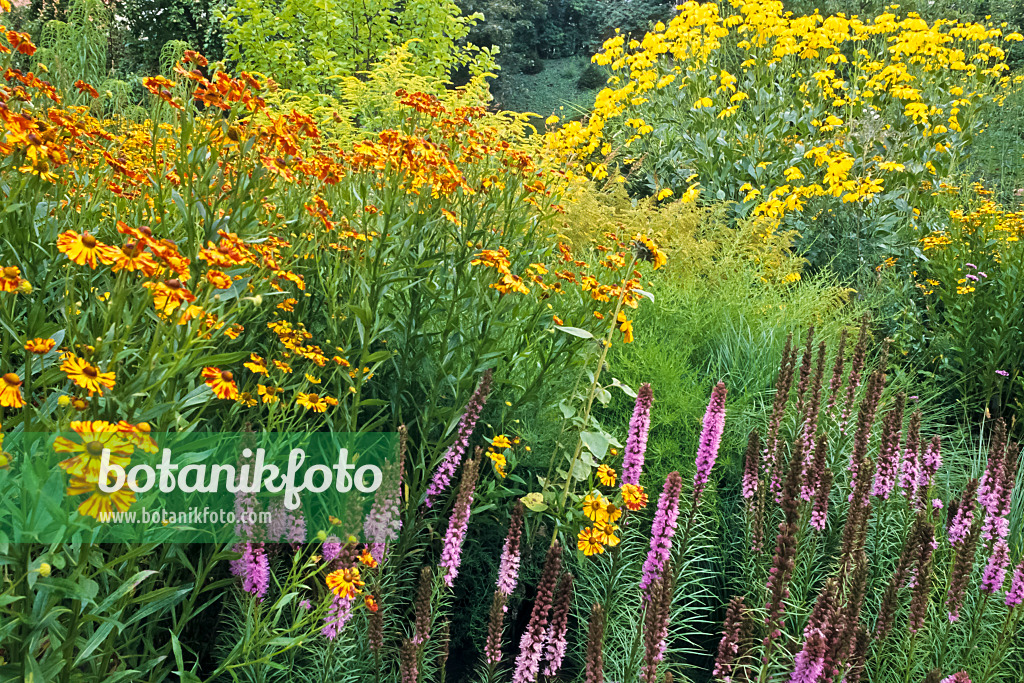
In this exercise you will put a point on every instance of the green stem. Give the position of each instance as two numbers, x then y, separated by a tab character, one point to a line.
606	344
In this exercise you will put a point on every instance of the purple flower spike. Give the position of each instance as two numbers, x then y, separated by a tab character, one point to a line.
666	520
451	553
1015	596
995	571
636	443
453	456
508	570
810	661
710	439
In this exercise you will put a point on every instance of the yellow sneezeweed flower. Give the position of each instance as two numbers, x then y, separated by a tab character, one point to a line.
589	543
594	506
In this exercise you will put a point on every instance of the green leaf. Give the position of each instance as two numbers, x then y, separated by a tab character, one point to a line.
575	331
596	442
535	502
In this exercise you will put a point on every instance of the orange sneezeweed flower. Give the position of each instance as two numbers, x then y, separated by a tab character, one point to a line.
221	381
634	497
10	279
218	279
82	86
169	295
606	475
133	257
10	391
345	583
85	375
140	435
39	345
85	250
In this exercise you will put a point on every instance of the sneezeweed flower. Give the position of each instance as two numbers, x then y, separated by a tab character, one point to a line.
268	394
606	475
626	327
86	375
40	346
86	449
646	250
256	364
222	382
132	257
10	279
589	542
345	582
85	250
606	534
219	279
315	402
634	497
169	295
10	391
594	507
100	504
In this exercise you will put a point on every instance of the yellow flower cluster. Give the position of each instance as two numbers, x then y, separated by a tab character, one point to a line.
839	107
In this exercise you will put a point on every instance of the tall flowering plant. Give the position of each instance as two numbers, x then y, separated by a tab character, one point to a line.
887	510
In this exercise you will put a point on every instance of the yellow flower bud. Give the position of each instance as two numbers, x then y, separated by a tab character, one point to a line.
44	569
